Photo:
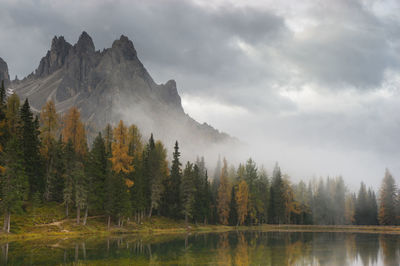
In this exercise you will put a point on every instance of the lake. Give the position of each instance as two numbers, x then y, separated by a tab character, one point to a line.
231	248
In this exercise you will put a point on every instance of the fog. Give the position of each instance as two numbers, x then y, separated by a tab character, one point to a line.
313	85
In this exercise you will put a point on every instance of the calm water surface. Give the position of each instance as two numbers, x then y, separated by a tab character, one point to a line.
233	248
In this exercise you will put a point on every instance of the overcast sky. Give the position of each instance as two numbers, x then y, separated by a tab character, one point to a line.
312	84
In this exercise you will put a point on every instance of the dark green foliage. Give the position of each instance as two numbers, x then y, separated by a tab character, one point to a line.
31	154
233	216
96	172
188	190
2	93
14	182
277	205
173	191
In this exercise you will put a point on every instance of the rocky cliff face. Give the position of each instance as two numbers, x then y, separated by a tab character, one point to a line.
108	86
4	73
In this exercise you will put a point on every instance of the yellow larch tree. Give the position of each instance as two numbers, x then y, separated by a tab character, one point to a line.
49	120
224	195
121	160
242	201
74	131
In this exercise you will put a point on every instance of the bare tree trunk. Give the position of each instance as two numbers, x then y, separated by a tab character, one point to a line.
151	210
78	214
108	222
5	222
86	214
119	221
8	222
66	210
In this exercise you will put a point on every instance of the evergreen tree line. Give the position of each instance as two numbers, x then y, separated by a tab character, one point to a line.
45	158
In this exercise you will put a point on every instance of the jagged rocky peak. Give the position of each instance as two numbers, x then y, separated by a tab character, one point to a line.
4	72
55	58
85	44
124	49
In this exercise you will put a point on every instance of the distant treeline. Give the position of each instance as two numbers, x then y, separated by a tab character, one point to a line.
46	158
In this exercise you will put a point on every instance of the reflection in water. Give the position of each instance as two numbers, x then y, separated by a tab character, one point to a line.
233	248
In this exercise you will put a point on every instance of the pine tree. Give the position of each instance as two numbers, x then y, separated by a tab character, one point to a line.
14	182
387	215
121	167
361	206
158	171
31	150
233	207
224	195
277	206
96	172
2	93
173	195
188	190
372	208
70	167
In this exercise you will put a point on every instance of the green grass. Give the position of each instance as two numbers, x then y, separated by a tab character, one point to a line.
48	221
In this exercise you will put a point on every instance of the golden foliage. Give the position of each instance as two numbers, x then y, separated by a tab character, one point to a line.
129	183
224	195
49	120
121	161
74	131
242	200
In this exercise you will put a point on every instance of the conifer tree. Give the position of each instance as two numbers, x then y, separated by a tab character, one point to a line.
233	208
12	114
387	215
188	190
121	167
158	170
173	196
242	200
74	131
96	172
31	150
108	138
14	182
372	207
361	207
50	151
70	167
224	195
2	93
277	206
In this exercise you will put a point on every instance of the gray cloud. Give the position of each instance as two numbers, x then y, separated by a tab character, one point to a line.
249	57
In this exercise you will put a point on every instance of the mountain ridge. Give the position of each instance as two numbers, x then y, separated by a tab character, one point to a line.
108	86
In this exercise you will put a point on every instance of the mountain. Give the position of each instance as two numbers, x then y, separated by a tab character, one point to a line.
110	85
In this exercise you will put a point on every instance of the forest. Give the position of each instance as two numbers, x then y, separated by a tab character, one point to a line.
125	177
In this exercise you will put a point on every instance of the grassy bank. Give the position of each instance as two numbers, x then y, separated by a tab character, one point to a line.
49	222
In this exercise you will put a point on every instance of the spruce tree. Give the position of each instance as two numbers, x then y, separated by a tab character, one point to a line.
187	191
96	171
14	182
2	93
173	195
387	215
31	150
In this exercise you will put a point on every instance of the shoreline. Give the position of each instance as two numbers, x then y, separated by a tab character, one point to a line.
179	228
